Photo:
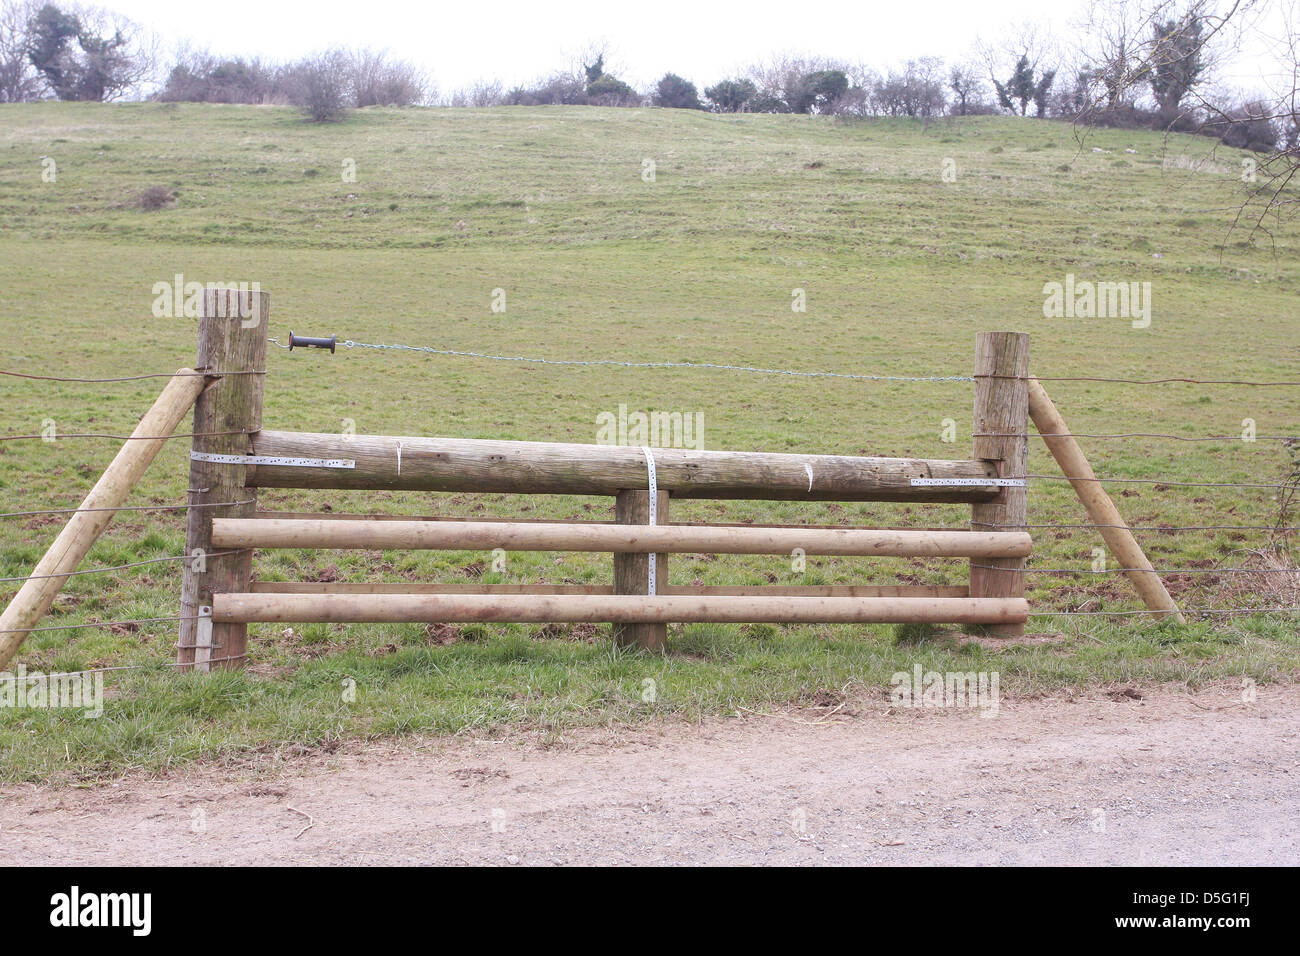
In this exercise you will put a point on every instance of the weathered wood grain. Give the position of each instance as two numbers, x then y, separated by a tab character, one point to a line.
232	339
633	537
518	467
617	608
1001	420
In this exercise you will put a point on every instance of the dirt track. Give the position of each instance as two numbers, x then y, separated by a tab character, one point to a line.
1169	778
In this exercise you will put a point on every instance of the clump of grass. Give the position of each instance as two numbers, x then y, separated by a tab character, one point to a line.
915	632
155	197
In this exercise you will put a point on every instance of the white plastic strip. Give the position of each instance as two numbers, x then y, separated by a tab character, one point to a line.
203	641
967	482
272	460
654	511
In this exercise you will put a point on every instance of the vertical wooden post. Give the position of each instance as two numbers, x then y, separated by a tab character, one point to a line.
232	344
1001	436
632	571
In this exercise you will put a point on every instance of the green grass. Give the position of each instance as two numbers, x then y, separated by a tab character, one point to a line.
900	270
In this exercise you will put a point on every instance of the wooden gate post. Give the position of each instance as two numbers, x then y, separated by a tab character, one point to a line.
1001	436
632	571
232	347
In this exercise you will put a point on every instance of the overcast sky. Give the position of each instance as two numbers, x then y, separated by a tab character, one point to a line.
459	43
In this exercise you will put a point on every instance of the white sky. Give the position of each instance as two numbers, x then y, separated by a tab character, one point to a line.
461	42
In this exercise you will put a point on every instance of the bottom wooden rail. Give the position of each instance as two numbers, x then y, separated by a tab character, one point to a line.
617	609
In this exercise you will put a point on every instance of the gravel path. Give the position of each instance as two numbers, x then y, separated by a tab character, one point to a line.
1166	777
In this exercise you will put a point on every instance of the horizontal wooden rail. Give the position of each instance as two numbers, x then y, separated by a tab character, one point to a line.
364	516
521	467
734	590
618	608
642	539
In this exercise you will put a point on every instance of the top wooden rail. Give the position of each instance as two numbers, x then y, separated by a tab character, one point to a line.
524	467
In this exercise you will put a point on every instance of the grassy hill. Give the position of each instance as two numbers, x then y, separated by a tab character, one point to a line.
900	269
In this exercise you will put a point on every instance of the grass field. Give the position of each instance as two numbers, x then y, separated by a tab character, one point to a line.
900	270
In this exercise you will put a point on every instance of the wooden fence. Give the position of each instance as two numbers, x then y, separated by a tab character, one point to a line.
232	456
638	601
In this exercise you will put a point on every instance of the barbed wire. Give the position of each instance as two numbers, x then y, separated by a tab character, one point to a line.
349	344
65	511
465	353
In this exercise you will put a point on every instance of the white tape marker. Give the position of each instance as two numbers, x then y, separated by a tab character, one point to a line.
654	511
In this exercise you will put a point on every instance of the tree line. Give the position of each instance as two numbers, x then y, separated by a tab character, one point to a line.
1138	63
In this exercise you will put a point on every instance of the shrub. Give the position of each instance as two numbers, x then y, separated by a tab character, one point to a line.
731	96
673	92
611	91
320	86
378	81
155	197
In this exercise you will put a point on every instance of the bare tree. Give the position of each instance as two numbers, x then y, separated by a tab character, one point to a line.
1111	35
1175	59
967	86
1027	57
19	82
378	80
481	94
88	53
917	91
1152	58
320	84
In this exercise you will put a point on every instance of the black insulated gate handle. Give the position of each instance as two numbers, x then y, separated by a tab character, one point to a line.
307	342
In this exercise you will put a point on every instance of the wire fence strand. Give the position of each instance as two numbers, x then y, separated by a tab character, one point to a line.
80	627
59	436
70	511
1156	481
533	360
1208	438
129	378
119	567
1030	570
119	667
1182	610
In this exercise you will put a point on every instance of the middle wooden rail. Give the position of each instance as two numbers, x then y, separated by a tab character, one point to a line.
644	539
